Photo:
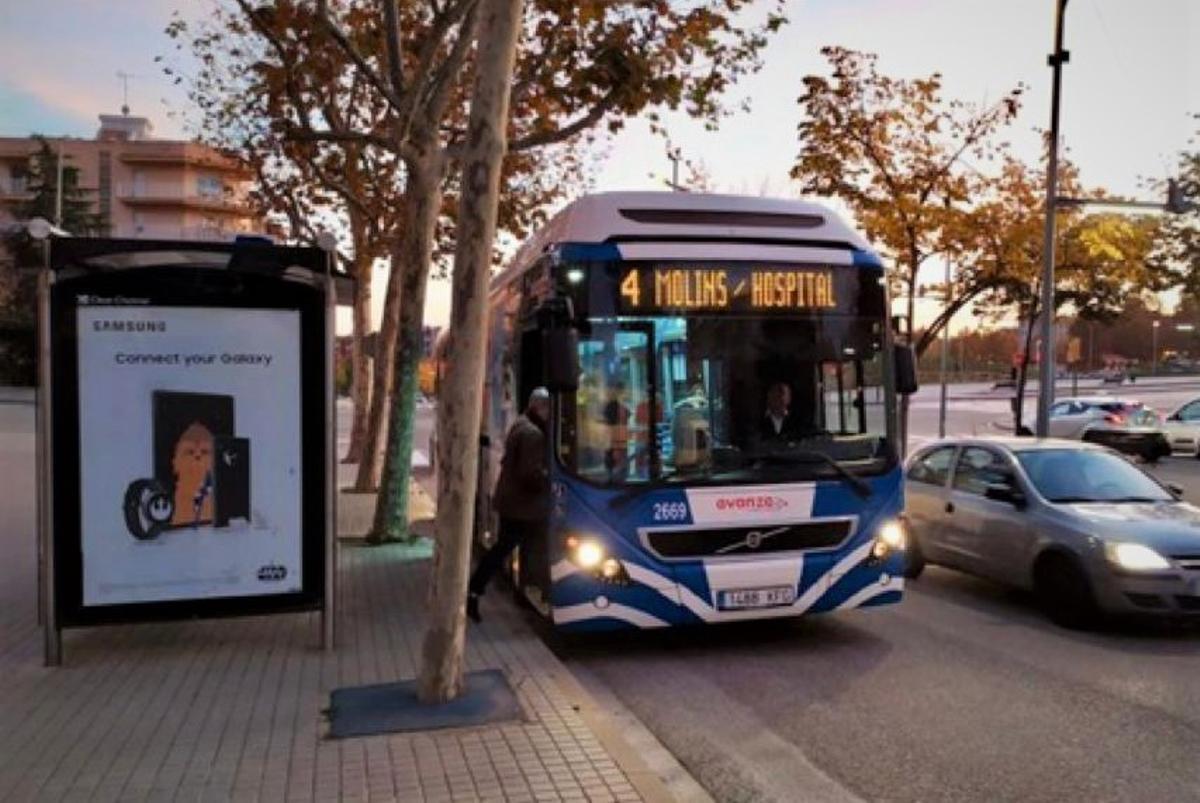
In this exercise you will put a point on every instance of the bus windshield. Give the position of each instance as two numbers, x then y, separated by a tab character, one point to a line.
724	398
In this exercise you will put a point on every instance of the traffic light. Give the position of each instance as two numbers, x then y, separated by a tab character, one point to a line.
1177	204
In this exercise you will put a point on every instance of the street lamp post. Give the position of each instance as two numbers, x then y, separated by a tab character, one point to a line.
58	186
945	357
1154	348
1046	367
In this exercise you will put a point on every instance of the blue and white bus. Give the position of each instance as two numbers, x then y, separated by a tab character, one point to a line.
662	323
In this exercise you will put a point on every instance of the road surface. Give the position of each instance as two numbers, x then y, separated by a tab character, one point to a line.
962	692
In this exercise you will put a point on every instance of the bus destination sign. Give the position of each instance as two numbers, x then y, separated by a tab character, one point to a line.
735	288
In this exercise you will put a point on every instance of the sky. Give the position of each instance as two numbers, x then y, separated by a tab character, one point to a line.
1130	90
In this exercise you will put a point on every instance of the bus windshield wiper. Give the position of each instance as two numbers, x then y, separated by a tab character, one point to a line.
860	486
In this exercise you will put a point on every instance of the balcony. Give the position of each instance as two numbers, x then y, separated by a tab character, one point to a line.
14	190
181	154
175	197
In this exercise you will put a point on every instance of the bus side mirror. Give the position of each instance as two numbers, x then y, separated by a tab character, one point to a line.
562	359
905	362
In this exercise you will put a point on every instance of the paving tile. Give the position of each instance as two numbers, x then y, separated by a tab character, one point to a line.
230	710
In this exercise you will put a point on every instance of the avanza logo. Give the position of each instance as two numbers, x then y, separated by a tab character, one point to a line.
754	502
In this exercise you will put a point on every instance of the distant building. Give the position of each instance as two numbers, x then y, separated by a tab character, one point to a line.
144	187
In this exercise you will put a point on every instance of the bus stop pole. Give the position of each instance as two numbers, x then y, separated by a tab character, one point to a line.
329	605
52	634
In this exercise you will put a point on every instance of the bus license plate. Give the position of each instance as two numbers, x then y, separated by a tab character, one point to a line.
769	597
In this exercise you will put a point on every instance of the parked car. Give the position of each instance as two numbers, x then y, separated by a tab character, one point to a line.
1183	429
1079	525
1126	425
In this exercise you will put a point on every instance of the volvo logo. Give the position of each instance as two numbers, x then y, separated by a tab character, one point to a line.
752	540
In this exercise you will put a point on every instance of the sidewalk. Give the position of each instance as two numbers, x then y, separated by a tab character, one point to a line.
231	709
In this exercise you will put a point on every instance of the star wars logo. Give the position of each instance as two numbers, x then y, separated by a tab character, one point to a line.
272	573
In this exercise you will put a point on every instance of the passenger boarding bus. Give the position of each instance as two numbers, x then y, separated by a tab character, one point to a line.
723	438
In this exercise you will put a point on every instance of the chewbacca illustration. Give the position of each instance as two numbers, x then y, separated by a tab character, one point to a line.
192	465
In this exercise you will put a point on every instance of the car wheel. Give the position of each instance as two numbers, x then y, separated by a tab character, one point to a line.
1064	593
1150	456
914	559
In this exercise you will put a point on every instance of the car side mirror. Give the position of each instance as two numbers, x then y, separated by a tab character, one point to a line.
1004	492
1174	417
905	365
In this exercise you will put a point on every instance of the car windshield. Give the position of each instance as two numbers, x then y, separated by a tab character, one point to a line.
1087	475
739	399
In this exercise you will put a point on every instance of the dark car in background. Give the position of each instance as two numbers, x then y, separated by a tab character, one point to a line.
1126	425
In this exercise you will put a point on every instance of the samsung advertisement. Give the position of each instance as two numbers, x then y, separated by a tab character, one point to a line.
190	452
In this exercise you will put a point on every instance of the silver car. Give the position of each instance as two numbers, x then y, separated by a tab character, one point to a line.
1126	425
1079	525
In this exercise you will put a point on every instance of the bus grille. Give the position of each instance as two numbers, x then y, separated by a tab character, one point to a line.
684	544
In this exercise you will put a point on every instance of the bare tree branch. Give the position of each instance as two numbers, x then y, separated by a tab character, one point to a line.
462	12
593	116
352	52
391	38
307	134
442	82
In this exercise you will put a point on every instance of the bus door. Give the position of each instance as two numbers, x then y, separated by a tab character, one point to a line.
532	568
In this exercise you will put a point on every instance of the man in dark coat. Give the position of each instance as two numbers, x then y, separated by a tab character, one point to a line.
522	497
778	425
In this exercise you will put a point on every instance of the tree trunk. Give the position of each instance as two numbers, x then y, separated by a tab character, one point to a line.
912	311
370	467
359	361
459	404
422	203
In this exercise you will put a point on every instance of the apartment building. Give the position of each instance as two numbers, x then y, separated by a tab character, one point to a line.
145	187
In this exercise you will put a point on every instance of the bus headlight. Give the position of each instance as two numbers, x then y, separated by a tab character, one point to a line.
589	555
585	552
890	537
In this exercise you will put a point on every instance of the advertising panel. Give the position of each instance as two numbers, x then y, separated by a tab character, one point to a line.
190	452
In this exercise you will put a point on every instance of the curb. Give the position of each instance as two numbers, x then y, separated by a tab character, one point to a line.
680	784
646	781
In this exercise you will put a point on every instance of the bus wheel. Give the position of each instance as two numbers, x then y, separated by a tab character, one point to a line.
914	559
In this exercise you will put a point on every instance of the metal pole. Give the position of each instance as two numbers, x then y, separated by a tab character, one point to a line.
945	359
1091	346
40	456
1154	348
1046	372
58	191
329	605
51	632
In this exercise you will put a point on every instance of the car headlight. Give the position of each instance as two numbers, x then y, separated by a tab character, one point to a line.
1135	557
890	537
